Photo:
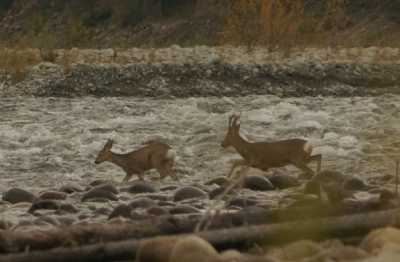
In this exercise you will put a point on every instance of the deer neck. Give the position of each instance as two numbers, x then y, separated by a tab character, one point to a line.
118	159
241	146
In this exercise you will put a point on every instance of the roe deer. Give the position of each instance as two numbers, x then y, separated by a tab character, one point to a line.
153	154
264	155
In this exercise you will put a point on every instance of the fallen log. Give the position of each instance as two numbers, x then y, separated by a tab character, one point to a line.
17	241
317	229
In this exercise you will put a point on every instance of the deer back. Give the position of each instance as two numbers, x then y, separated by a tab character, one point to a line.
148	156
278	153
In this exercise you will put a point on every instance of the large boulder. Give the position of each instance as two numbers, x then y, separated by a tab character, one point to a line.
17	195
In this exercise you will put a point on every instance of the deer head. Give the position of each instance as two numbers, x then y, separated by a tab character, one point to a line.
105	154
233	130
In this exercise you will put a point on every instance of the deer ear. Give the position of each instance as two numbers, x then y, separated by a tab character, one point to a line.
109	143
237	124
230	122
236	121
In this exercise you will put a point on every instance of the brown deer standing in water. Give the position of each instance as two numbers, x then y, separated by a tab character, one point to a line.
153	154
265	155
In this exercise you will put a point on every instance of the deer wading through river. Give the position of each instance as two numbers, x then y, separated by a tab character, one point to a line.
153	155
265	155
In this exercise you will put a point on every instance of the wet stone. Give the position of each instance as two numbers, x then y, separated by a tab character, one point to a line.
140	187
327	176
219	181
355	183
53	195
16	195
98	182
308	200
242	202
67	220
157	197
107	187
122	210
183	209
283	181
5	224
24	223
157	211
48	219
301	249
312	187
102	211
168	188
189	192
68	208
95	194
216	192
142	202
257	183
386	194
22	205
44	204
166	204
139	216
71	188
118	220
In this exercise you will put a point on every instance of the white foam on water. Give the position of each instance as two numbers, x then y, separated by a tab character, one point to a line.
38	147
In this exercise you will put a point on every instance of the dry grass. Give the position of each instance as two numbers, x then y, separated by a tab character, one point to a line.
283	24
15	61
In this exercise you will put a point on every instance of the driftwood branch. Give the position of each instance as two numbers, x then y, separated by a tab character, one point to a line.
338	227
397	178
17	241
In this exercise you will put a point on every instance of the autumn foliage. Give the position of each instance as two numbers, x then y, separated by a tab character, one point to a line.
279	23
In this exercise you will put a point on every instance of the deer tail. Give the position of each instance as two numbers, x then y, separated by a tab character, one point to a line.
171	154
307	147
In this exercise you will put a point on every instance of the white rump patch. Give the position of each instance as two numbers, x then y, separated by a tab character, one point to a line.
171	154
307	148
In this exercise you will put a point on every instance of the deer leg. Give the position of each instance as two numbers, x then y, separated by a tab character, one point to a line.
167	170
301	165
163	173
127	177
318	159
140	176
236	163
173	175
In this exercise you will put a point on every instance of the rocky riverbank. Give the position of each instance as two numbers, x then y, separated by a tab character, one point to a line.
204	71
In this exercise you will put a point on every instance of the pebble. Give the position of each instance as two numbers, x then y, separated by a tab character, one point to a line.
95	194
241	202
355	183
71	188
157	211
140	187
219	181
283	181
142	202
106	187
122	210
189	192
257	183
44	204
183	209
54	195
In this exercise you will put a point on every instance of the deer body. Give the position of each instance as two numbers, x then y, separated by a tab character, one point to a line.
265	155
153	155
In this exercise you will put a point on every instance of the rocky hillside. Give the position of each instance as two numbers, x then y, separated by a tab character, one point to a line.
203	71
123	23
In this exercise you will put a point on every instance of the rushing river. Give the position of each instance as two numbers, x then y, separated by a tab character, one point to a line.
47	142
